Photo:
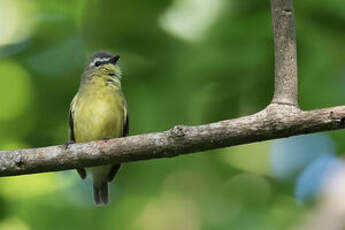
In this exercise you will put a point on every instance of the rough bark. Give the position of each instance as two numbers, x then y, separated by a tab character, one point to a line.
275	121
285	57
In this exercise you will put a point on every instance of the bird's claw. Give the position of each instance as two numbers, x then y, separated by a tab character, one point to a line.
106	139
67	144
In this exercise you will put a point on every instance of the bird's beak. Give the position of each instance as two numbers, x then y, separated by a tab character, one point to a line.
115	59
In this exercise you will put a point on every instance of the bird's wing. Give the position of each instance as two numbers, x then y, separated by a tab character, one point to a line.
81	171
71	126
126	124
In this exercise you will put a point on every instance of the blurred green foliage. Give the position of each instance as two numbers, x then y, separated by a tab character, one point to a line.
184	62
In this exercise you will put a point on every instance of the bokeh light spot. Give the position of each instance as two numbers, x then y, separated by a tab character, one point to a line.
254	157
173	212
13	223
15	20
189	19
24	187
16	90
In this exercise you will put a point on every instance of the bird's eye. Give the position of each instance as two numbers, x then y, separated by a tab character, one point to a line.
98	63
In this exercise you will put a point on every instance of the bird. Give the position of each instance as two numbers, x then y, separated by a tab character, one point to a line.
99	111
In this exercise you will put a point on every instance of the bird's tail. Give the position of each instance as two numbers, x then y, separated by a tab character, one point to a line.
101	194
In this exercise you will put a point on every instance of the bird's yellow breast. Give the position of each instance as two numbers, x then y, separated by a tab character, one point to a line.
98	112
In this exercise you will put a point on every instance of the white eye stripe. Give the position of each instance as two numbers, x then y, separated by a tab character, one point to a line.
105	59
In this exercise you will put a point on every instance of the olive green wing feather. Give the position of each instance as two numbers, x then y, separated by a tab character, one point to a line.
81	171
71	127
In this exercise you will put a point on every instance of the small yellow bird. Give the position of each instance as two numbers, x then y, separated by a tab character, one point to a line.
99	112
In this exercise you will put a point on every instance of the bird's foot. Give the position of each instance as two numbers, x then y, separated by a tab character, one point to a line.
67	144
106	139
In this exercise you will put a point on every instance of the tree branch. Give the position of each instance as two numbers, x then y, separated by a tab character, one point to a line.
282	118
275	121
285	82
